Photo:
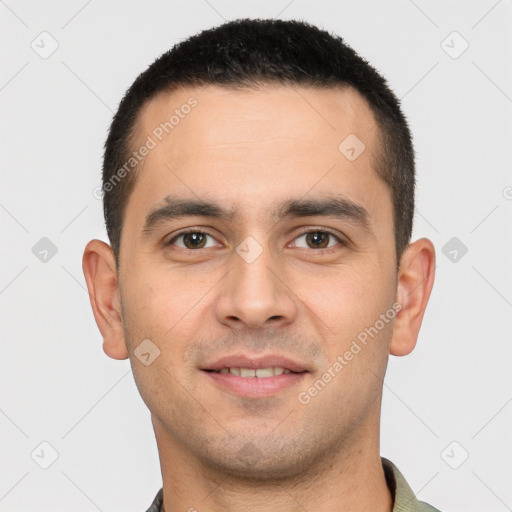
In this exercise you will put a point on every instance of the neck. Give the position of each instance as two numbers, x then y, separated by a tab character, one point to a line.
350	479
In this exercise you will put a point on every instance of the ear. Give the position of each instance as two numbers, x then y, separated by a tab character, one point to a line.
415	282
99	269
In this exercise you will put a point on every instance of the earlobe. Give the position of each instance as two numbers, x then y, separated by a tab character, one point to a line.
415	282
99	269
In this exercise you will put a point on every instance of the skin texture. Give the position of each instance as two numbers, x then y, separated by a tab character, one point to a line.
251	150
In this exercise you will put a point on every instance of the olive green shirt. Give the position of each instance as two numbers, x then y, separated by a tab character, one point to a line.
404	499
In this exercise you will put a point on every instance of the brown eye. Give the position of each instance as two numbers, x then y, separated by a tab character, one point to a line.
191	240
194	240
319	240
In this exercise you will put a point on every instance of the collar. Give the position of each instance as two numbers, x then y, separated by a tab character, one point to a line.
404	499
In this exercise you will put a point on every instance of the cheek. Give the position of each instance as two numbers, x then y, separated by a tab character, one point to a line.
163	312
166	308
348	300
146	310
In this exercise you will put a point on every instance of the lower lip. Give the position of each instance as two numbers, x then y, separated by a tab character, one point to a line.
255	386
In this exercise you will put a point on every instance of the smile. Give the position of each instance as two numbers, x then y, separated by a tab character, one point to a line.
260	373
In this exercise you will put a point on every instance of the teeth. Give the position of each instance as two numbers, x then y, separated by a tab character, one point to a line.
260	372
264	372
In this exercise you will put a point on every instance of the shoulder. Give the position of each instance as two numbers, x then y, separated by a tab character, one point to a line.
404	498
157	502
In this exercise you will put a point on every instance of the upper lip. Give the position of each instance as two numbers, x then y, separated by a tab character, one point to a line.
255	362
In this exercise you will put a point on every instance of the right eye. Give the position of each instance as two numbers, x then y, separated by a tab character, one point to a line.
192	239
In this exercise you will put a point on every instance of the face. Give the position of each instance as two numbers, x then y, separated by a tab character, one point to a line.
279	274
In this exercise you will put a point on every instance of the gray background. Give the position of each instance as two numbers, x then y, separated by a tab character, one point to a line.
450	399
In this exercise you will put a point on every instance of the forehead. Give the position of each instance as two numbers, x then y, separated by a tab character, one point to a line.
246	146
227	116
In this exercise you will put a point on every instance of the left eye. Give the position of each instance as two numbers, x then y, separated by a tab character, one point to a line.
319	239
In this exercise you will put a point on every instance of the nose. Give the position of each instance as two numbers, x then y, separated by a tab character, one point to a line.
254	296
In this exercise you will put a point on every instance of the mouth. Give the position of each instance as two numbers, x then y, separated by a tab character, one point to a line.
251	376
260	373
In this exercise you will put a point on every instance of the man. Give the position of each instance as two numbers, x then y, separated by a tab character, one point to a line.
259	195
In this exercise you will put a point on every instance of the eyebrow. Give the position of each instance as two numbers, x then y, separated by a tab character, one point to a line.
336	206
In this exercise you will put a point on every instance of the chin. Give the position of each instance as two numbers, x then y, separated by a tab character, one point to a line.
261	461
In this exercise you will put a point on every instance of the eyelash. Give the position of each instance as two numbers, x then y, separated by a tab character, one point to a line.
323	230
